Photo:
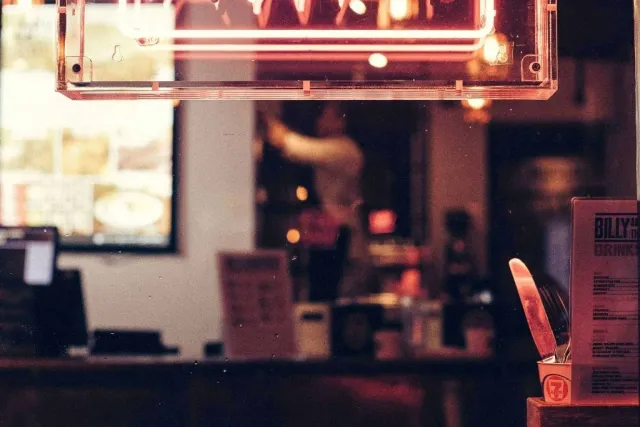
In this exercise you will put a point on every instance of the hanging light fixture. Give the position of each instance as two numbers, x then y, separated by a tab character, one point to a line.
477	110
358	7
378	60
396	11
402	9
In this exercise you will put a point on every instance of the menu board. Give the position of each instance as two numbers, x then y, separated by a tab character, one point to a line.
257	305
604	301
101	171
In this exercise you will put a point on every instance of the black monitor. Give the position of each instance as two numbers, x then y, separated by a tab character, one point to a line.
28	254
60	317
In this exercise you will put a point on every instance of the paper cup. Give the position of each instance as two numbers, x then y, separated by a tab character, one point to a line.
555	379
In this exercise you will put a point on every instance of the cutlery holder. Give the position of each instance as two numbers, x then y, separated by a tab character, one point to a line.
555	379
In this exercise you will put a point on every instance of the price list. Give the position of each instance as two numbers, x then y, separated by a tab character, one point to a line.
604	301
256	296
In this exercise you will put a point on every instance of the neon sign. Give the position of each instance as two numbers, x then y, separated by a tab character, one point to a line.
443	48
313	32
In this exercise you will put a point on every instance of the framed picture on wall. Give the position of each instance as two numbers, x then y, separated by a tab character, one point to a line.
104	172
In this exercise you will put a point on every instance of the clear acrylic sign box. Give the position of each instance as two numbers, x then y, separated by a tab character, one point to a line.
306	49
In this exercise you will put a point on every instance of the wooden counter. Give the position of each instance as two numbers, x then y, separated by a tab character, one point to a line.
436	364
541	414
128	392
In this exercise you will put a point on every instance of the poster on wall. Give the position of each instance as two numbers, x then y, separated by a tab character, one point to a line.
103	171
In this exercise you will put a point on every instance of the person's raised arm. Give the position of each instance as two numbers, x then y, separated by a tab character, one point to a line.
326	152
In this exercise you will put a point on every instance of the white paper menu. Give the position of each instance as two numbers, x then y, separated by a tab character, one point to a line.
604	301
257	305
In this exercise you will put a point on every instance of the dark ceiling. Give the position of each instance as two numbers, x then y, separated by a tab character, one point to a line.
598	29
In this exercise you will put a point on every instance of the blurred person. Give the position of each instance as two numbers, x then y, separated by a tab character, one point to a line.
337	163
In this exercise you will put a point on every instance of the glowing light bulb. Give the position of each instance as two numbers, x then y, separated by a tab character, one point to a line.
476	103
399	9
257	6
301	193
477	110
378	60
358	7
491	49
293	236
300	4
303	9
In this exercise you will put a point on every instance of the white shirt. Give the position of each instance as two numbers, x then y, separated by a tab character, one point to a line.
337	162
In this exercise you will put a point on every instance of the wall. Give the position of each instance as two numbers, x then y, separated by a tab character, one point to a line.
179	294
457	174
620	161
458	150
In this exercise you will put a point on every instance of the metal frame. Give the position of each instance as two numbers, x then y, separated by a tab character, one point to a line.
636	52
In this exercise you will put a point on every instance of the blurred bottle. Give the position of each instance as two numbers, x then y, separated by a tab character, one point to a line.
422	321
478	327
459	268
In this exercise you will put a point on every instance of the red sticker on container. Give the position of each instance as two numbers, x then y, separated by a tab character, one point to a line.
556	388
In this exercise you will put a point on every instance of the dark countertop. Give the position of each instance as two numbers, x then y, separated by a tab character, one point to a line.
169	391
442	364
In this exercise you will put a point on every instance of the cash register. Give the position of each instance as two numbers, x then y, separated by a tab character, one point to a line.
41	307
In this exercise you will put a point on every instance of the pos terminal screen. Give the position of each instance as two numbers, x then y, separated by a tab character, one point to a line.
28	254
